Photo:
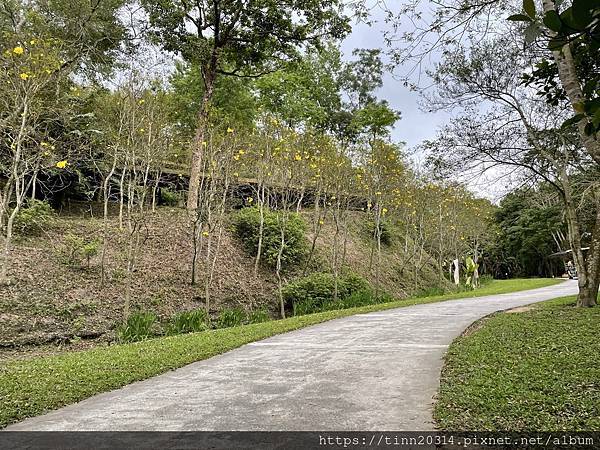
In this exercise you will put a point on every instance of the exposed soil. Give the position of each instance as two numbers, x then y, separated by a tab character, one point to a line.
51	305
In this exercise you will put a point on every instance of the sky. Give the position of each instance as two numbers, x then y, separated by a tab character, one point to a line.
415	125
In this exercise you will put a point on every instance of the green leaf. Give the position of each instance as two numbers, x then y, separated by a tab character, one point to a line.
519	18
573	120
552	21
529	7
582	13
532	32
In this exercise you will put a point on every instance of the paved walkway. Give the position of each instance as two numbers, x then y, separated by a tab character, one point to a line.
376	371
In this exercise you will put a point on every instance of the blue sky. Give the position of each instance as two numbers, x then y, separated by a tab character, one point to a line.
415	125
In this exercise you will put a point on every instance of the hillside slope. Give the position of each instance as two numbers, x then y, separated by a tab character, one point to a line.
53	302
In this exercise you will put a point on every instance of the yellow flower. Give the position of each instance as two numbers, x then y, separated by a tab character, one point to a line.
236	157
235	174
61	164
384	210
44	144
321	222
250	199
378	193
204	143
142	101
18	50
230	130
24	76
46	153
32	42
242	152
298	157
205	233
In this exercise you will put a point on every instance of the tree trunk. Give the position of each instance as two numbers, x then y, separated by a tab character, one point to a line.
587	269
198	144
106	194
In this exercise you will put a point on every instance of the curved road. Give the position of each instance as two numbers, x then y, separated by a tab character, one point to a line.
376	371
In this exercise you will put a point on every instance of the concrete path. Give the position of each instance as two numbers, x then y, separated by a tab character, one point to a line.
376	371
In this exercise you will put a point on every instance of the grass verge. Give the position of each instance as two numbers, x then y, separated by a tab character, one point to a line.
532	370
32	387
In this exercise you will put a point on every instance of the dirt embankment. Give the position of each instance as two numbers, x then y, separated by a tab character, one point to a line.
52	303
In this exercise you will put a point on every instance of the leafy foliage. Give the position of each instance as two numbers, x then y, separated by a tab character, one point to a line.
524	237
246	223
577	26
188	322
33	218
385	228
316	292
77	249
169	197
137	327
230	317
258	316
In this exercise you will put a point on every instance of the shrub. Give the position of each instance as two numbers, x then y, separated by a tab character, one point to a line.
33	217
230	317
188	322
316	292
431	292
137	327
387	231
169	197
485	279
366	297
77	249
246	223
258	316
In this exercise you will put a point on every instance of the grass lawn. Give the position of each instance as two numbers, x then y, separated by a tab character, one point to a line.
31	387
534	370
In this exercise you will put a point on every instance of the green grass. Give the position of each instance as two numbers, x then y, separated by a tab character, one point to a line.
534	370
31	387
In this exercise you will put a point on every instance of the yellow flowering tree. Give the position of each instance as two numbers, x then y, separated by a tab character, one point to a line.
29	69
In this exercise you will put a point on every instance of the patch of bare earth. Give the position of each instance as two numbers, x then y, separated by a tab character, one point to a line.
51	306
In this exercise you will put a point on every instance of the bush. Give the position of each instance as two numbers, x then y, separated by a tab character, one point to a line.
431	292
316	293
387	231
485	279
246	223
230	317
169	197
188	322
137	327
258	316
78	249
33	217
